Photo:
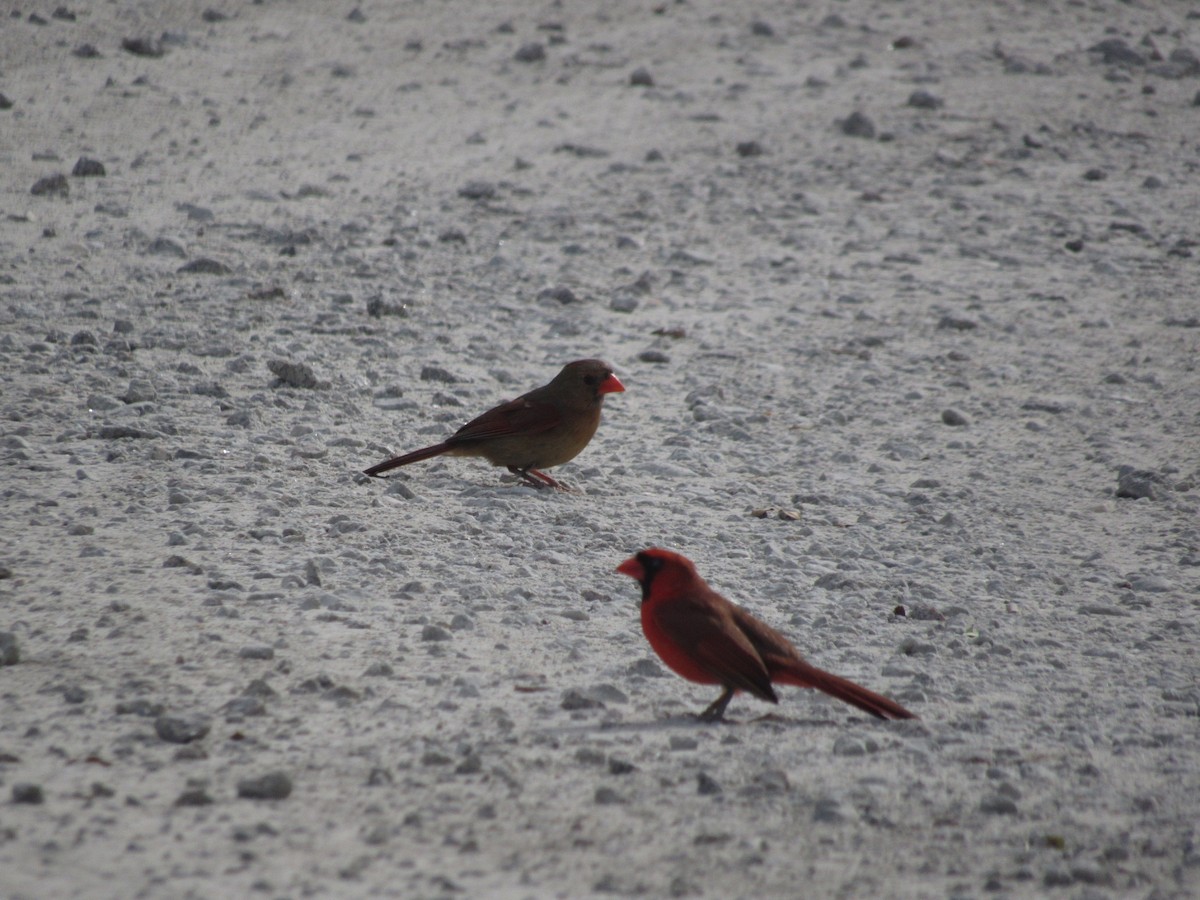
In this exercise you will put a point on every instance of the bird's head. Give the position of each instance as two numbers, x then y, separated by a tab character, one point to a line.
656	565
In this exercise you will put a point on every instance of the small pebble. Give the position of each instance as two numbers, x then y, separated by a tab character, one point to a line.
23	792
88	168
272	786
194	797
257	651
641	77
606	796
477	190
858	125
925	100
1140	484
293	374
10	649
998	805
954	418
204	266
148	47
51	186
530	53
181	729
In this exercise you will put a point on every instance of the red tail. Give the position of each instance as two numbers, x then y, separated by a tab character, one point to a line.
801	674
415	456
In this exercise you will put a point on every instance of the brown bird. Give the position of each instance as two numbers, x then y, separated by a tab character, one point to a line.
546	427
706	639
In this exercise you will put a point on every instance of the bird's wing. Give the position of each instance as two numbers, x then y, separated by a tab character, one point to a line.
716	644
520	416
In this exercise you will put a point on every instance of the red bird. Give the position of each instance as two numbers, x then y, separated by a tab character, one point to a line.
706	639
546	427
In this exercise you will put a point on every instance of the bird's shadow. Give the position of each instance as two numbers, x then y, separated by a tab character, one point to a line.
688	722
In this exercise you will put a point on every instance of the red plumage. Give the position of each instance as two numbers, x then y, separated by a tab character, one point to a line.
704	638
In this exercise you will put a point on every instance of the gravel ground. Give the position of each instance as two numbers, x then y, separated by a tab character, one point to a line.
905	299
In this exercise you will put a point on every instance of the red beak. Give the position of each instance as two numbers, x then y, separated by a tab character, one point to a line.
611	385
632	568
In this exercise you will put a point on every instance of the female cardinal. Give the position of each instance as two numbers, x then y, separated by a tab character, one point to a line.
706	639
546	427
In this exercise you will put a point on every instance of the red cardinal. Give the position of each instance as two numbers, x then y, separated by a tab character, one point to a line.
546	427
706	639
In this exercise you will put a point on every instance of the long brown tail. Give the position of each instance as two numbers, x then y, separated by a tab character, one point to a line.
803	674
416	456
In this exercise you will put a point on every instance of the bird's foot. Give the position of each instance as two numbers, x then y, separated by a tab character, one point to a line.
716	710
539	479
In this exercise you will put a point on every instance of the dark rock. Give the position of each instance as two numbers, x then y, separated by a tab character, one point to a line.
641	77
858	125
75	695
583	151
204	266
293	374
437	373
165	246
88	168
148	47
10	649
563	295
998	805
477	190
194	797
1115	52
573	700
272	786
956	323
23	792
925	100
51	186
1139	484
530	53
181	729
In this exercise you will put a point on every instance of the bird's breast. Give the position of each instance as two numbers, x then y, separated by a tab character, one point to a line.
672	652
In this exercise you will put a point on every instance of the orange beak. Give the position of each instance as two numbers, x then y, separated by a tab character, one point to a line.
611	385
632	568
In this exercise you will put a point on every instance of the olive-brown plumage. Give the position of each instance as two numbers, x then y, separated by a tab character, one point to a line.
546	427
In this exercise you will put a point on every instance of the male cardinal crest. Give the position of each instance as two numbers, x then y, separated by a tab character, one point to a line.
706	639
546	427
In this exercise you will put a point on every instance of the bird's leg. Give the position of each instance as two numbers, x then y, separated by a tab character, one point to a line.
716	709
529	476
537	478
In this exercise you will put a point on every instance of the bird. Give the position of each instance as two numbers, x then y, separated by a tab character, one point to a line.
546	427
708	640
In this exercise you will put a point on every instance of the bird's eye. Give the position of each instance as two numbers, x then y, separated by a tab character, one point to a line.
651	564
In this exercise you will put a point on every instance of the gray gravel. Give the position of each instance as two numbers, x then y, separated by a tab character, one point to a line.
922	395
